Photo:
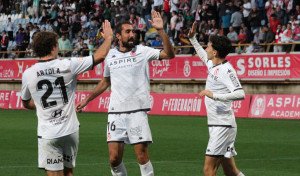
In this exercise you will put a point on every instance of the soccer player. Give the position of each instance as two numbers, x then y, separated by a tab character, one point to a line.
222	87
49	87
127	71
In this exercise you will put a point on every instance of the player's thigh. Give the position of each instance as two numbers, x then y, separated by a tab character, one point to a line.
115	150
138	128
50	154
212	163
70	151
229	166
55	173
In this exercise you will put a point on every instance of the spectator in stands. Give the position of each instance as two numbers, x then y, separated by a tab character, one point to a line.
254	19
20	39
157	42
91	47
237	19
4	44
246	11
158	5
64	44
232	35
173	23
273	23
85	51
83	20
36	8
242	36
278	35
226	22
10	29
141	27
64	28
269	5
268	36
147	11
296	36
24	8
287	37
280	14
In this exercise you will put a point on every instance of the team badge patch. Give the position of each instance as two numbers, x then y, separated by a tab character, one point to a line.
132	53
108	136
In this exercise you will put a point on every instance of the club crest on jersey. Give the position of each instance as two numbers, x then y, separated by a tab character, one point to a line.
132	53
216	72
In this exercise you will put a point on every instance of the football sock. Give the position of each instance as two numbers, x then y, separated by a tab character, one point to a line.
120	170
147	169
240	174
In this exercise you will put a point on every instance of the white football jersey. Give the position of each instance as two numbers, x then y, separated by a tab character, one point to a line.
129	76
222	79
52	84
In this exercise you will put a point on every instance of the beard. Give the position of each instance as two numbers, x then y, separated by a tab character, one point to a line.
129	45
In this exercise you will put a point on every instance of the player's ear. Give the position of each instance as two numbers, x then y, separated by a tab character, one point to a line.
118	36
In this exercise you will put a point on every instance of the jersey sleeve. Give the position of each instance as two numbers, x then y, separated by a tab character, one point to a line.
82	64
199	50
25	93
230	80
106	69
151	53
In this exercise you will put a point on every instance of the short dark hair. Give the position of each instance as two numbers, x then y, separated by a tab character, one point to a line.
43	43
119	26
221	44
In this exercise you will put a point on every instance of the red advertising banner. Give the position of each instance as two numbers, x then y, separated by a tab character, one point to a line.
167	104
15	101
271	66
275	106
4	99
263	66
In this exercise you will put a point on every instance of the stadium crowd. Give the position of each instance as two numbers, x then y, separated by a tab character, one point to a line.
78	22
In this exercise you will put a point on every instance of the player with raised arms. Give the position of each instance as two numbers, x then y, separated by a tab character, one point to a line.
127	72
49	87
222	87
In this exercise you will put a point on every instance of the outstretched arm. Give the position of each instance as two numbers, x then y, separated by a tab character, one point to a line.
103	50
235	95
157	23
99	89
199	50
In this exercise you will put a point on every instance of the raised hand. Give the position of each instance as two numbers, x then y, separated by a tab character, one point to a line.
107	31
192	32
157	21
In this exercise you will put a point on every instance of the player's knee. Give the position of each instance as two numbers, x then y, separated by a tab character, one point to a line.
229	173
208	171
114	160
143	158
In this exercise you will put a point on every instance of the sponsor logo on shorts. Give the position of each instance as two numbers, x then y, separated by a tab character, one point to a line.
68	158
137	131
108	136
55	161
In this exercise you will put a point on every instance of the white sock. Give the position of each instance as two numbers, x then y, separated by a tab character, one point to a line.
147	169
119	170
240	174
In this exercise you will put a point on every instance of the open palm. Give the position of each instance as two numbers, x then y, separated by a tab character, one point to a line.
157	21
192	32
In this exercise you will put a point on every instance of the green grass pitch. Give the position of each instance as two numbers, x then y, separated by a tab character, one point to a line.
265	147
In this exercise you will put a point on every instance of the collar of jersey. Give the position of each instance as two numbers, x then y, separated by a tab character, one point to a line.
224	62
48	60
132	50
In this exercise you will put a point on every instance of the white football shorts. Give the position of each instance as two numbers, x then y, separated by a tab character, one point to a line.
130	128
221	141
55	154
